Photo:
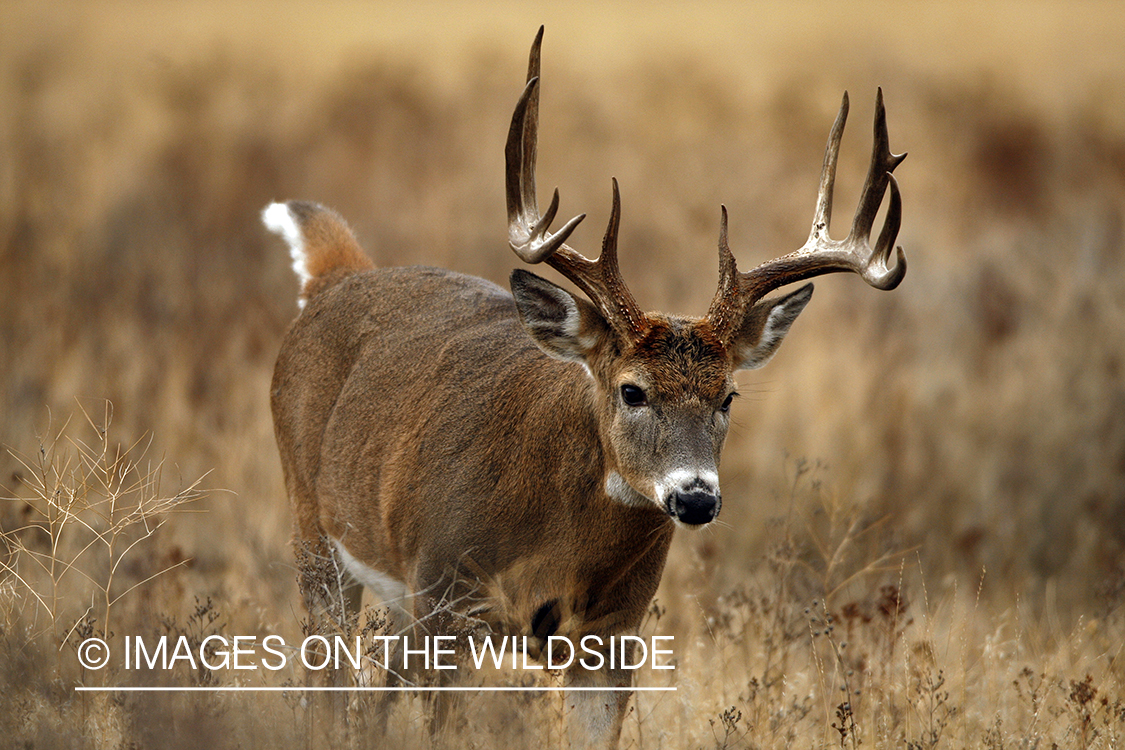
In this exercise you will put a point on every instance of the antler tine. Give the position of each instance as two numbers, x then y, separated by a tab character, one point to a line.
530	138
601	279
720	311
528	231
883	162
823	216
821	254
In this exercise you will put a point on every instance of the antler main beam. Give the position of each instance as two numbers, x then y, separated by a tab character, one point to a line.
820	253
529	232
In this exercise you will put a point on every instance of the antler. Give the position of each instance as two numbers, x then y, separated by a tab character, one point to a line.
821	254
529	232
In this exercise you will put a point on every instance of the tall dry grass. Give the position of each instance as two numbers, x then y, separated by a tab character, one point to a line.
935	477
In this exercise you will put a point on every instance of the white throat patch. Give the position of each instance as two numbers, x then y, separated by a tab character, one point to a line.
622	492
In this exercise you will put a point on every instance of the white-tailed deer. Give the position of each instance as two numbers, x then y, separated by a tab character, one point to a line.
523	458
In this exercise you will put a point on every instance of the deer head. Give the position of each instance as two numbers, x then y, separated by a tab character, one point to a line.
664	384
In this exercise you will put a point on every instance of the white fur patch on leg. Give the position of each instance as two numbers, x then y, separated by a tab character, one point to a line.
387	590
280	220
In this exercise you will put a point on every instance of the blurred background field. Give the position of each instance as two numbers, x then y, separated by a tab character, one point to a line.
951	454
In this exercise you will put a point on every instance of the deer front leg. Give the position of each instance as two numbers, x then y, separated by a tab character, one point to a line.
593	717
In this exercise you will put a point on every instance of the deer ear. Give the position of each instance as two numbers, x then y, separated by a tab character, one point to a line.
563	325
764	326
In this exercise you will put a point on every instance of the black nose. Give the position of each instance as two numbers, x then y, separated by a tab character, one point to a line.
695	507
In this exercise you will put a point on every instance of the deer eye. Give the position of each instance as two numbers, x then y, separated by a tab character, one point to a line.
726	404
633	396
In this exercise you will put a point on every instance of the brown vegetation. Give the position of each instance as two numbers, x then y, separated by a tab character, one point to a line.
947	567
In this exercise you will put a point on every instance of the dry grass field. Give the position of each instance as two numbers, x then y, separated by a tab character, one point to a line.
922	543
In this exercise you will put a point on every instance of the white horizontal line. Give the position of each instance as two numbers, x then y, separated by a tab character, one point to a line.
326	689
